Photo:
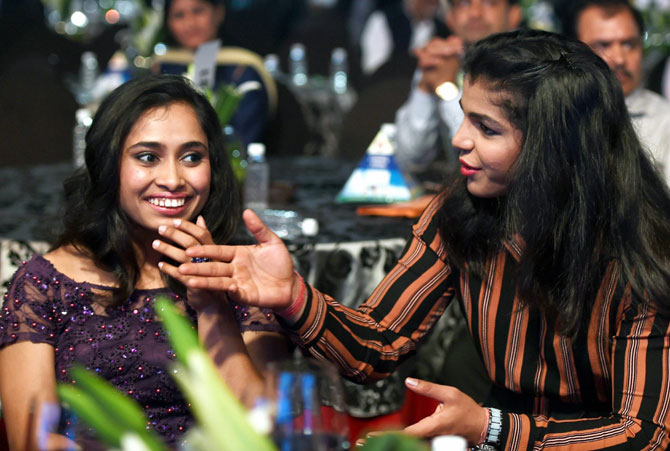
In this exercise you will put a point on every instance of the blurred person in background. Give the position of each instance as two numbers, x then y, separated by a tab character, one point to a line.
190	23
431	115
398	27
614	30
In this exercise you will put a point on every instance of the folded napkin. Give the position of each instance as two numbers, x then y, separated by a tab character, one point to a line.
409	209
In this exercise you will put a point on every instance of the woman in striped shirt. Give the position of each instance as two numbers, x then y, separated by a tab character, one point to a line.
555	243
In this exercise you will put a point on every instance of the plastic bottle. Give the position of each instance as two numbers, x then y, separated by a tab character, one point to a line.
289	225
83	120
298	64
88	74
271	63
448	443
257	180
339	70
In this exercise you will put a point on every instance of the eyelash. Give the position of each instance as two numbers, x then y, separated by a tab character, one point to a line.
195	157
190	158
143	157
486	130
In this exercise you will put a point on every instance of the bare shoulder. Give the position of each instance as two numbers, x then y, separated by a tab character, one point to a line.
79	266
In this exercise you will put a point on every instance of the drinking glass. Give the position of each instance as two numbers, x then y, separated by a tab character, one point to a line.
309	407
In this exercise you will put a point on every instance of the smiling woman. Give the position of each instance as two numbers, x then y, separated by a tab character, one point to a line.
488	143
164	170
157	180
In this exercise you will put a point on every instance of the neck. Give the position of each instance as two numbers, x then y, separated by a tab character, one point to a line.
147	259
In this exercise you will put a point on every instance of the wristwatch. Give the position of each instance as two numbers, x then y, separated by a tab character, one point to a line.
447	91
495	428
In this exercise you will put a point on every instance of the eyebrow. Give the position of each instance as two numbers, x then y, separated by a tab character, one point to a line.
157	145
482	117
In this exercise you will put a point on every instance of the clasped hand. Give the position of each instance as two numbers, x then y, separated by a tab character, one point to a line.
260	274
439	61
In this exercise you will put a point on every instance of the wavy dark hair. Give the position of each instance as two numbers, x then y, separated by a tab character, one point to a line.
583	190
93	219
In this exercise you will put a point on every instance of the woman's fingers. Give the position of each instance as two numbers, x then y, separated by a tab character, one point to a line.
258	229
185	234
199	275
456	414
198	230
206	269
427	427
213	252
175	253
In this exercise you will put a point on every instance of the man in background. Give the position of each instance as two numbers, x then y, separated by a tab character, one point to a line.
399	27
432	114
613	29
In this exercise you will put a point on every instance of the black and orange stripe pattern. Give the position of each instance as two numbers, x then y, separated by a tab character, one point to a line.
607	389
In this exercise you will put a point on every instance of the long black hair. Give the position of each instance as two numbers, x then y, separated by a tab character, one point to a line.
93	219
583	189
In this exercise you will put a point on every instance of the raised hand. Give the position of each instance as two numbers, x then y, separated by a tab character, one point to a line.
457	413
260	274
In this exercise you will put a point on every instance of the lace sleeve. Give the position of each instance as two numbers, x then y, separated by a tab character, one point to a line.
254	318
29	310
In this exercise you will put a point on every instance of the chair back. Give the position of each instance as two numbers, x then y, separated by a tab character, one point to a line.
227	56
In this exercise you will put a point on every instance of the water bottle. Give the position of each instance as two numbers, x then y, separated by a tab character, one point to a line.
257	181
298	64
271	63
448	443
289	225
338	70
88	74
83	120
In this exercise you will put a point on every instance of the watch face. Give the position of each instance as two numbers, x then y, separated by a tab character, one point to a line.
447	91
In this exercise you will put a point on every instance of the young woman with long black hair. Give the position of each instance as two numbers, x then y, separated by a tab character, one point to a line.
155	157
555	241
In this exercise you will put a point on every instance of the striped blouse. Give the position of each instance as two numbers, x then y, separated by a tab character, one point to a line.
607	389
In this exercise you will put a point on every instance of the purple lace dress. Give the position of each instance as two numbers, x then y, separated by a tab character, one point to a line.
126	345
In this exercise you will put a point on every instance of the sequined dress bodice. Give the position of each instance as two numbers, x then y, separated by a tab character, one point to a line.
126	345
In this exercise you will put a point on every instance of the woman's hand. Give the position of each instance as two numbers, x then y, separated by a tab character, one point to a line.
260	274
457	413
184	234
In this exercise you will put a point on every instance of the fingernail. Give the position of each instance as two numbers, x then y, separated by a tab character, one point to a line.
160	265
411	382
177	222
156	243
162	229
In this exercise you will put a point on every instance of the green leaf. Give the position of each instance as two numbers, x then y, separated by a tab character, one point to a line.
92	413
220	415
225	103
125	411
394	441
179	329
100	405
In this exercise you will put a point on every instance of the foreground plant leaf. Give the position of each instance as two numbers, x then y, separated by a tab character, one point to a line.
394	441
220	415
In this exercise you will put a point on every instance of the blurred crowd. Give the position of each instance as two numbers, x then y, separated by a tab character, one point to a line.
385	42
